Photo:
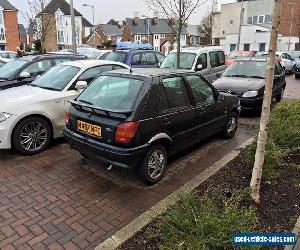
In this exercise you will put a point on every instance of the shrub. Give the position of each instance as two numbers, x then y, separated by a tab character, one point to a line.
206	223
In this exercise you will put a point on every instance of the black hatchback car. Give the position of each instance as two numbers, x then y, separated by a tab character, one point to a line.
245	78
24	70
138	118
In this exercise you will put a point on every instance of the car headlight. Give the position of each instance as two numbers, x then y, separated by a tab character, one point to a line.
4	116
251	93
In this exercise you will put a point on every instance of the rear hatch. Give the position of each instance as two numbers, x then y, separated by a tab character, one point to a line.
107	102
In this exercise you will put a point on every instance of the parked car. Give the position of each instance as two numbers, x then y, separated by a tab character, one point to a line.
232	56
210	61
296	69
245	78
96	54
2	62
33	114
284	58
136	58
25	69
138	119
295	55
8	55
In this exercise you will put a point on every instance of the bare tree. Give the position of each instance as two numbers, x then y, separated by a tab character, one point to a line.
45	22
206	29
266	108
179	11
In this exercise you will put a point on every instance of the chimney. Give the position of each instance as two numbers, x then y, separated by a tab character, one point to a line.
136	18
155	17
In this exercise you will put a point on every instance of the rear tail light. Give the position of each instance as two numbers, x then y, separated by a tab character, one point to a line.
67	115
125	132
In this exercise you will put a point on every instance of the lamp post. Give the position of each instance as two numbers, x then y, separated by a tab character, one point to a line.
291	5
240	26
148	27
93	10
73	27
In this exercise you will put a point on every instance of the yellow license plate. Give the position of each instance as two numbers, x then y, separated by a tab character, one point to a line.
89	128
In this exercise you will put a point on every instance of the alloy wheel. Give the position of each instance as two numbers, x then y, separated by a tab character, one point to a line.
232	124
156	164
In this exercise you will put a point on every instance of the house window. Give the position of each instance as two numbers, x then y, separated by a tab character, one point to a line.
138	38
231	21
156	48
232	47
2	35
156	37
250	21
246	47
60	37
268	19
163	36
261	19
255	19
183	38
262	47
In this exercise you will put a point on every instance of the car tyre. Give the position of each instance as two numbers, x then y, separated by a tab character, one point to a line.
231	126
31	136
297	76
154	164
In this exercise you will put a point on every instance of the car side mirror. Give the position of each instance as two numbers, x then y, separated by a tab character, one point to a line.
199	67
80	85
24	75
221	97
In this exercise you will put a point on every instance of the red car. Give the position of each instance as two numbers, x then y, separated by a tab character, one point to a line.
232	56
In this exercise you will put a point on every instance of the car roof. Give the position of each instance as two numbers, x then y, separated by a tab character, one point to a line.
201	49
136	50
251	59
92	63
50	56
149	72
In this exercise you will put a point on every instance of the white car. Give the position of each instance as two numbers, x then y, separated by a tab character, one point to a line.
284	58
32	115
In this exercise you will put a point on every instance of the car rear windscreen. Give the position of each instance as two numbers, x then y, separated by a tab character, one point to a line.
115	56
110	93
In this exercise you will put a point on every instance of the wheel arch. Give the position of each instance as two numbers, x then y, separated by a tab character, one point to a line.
163	139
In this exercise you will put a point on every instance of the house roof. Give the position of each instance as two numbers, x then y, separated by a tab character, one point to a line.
194	30
54	5
31	28
7	5
86	23
163	26
22	30
111	30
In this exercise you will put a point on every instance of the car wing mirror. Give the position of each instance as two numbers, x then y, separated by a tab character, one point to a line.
221	97
199	67
81	85
24	75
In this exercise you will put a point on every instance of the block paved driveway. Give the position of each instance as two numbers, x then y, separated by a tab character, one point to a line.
56	200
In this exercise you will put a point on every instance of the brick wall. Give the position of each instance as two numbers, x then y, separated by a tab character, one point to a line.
11	30
287	17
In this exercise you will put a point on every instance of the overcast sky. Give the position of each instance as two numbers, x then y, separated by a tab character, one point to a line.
116	9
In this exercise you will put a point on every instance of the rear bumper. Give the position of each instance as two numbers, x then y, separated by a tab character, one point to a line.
251	103
108	154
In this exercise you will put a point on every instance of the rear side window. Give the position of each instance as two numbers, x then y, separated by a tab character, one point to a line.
61	60
217	58
176	92
116	56
137	59
38	68
160	57
90	74
202	91
112	93
148	58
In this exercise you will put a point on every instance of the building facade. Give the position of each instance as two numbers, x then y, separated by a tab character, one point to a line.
9	28
256	25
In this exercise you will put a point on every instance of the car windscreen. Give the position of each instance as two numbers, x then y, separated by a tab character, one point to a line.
57	78
246	69
115	56
110	93
186	60
10	69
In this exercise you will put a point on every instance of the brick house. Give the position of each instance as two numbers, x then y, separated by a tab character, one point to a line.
22	36
195	36
161	35
31	34
9	29
59	35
